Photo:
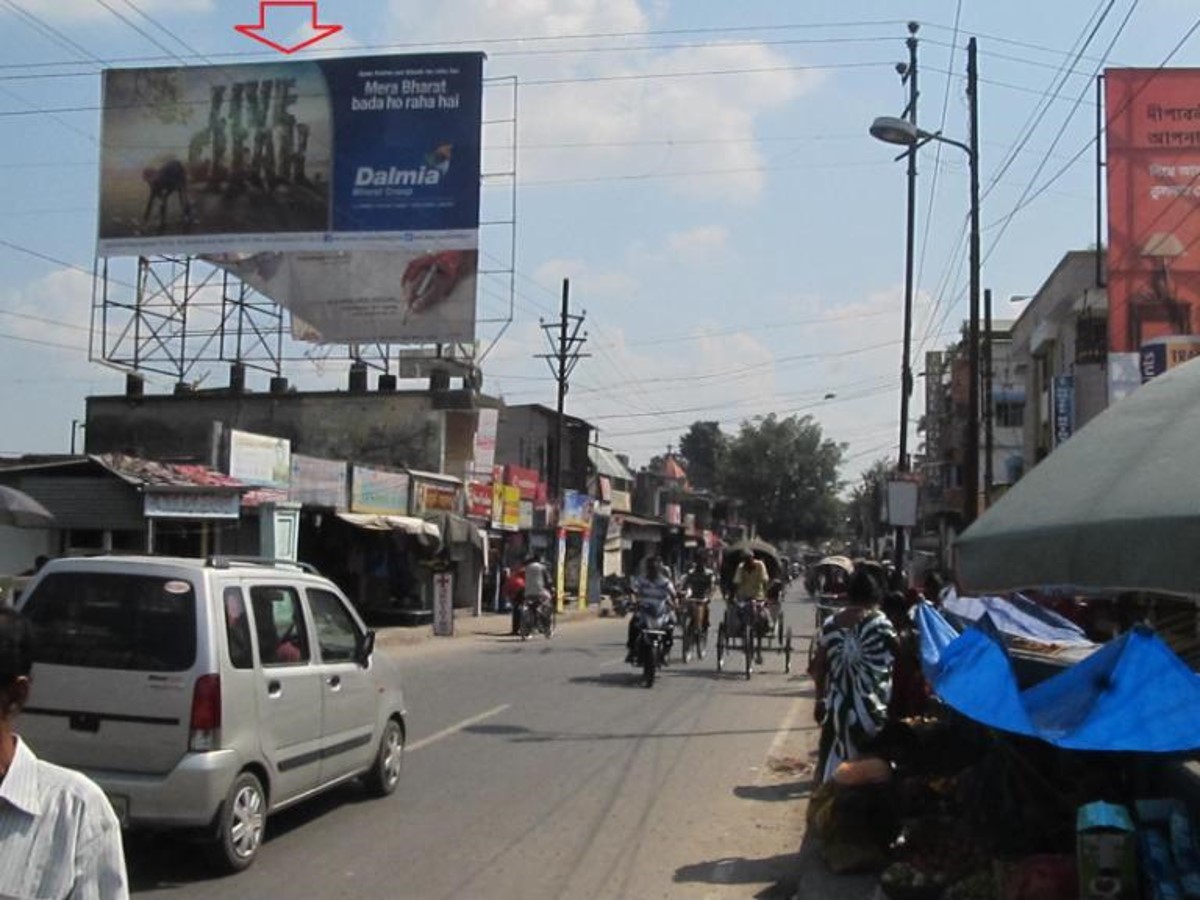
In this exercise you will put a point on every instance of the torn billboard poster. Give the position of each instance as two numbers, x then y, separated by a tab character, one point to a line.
404	295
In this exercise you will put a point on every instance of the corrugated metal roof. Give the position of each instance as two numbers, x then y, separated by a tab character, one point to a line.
606	463
149	473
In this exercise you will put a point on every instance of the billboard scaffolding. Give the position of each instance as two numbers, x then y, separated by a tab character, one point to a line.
210	285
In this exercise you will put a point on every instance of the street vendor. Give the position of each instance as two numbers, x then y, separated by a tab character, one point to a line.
852	671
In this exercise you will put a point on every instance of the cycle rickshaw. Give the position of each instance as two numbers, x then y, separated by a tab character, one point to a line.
827	582
760	625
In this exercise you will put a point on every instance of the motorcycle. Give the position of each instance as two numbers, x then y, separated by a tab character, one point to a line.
619	592
656	626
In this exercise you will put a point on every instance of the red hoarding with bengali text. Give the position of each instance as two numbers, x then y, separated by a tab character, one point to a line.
1153	168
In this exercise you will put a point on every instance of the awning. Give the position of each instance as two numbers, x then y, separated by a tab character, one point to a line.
407	524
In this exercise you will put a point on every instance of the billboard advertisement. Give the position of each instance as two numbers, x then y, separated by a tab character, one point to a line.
260	459
408	294
347	190
1153	171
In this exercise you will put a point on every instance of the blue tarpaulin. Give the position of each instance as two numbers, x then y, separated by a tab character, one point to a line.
1132	695
1017	616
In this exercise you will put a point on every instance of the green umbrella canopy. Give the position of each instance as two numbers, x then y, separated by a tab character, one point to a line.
1115	507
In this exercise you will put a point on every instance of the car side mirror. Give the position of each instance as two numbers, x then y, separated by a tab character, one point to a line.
366	648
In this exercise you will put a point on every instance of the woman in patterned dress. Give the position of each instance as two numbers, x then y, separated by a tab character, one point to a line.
852	671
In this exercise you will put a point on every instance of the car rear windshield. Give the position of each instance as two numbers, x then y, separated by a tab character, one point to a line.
109	621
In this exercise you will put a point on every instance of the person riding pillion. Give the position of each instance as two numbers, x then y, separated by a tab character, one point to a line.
656	588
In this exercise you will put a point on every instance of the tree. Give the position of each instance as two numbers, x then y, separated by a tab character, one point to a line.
866	500
785	473
705	447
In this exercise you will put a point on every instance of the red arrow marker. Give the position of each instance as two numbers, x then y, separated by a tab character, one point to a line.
317	33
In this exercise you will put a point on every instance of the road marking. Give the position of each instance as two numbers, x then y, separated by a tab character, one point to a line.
454	729
785	729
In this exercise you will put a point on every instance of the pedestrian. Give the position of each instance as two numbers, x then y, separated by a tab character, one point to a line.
59	836
852	673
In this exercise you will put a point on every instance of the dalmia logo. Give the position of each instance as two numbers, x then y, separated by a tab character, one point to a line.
431	172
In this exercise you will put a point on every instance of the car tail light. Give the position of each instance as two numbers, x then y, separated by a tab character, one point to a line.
206	713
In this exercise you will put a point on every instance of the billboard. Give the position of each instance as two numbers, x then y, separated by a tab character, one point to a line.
1153	170
347	190
260	459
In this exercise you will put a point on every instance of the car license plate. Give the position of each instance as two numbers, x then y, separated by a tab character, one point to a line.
120	805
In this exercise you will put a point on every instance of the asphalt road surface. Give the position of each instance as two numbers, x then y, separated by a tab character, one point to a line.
545	770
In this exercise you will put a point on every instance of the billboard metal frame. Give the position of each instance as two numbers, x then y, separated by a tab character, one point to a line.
178	316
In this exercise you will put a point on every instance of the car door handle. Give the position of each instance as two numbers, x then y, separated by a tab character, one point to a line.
274	688
334	681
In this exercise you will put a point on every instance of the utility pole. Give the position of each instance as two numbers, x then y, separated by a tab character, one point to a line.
908	75
989	407
562	361
971	462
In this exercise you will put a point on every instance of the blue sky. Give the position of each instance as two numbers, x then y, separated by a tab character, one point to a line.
700	170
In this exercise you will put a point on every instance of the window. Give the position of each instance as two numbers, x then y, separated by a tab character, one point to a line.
337	635
100	620
279	624
1010	413
237	629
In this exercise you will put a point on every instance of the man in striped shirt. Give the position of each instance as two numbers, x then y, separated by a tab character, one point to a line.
59	837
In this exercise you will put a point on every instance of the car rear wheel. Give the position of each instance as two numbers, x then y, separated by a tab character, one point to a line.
384	774
243	819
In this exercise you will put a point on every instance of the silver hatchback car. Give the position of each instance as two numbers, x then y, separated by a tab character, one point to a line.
206	694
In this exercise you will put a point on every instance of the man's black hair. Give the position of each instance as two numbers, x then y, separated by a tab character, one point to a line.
16	646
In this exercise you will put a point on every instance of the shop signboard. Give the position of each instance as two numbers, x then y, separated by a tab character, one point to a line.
524	480
429	496
576	511
498	504
260	459
191	505
1064	408
1153	173
510	519
479	501
622	501
318	482
525	515
378	492
673	514
1162	354
484	452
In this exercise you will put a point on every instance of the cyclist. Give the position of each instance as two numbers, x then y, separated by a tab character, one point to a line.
749	587
699	583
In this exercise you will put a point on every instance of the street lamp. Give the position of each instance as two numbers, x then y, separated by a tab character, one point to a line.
895	130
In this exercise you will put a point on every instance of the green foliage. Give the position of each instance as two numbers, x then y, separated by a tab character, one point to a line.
784	473
705	447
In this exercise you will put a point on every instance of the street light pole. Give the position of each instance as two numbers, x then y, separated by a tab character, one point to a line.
893	130
971	463
906	378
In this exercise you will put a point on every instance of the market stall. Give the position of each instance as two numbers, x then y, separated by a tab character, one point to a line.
1040	793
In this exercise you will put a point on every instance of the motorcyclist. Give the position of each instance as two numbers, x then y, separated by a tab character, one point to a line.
656	588
699	583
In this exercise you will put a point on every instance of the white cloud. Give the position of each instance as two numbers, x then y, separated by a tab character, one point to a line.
90	10
603	115
698	243
586	281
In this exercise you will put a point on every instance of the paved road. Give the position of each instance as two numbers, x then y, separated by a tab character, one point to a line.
544	770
